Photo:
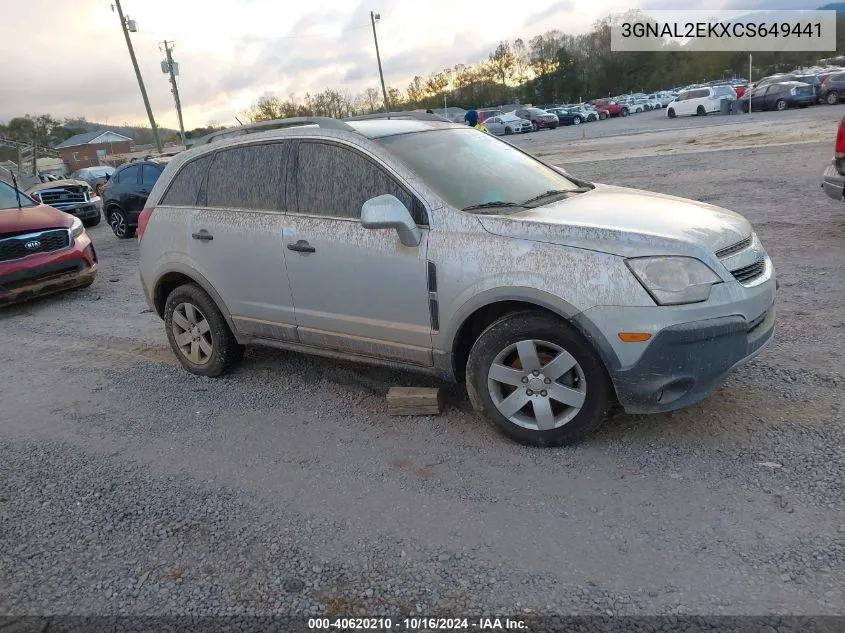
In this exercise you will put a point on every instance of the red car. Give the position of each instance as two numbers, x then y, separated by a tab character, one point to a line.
42	250
612	108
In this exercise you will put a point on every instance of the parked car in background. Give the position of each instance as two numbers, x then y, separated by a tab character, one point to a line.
833	179
587	114
636	106
567	117
779	96
654	102
540	119
75	197
700	101
612	108
483	115
508	124
96	177
832	89
671	294
42	250
126	194
815	82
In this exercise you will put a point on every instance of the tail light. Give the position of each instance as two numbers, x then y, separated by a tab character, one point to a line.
143	219
35	196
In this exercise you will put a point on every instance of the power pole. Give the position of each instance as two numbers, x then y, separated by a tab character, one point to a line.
168	48
138	75
373	18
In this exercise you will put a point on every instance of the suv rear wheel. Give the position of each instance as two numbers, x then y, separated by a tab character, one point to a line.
701	111
198	332
537	380
832	97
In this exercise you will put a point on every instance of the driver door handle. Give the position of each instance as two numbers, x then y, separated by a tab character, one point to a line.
203	235
302	246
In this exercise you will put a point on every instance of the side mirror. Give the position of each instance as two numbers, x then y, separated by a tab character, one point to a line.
388	212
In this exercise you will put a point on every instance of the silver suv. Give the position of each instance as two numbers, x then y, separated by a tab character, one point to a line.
430	245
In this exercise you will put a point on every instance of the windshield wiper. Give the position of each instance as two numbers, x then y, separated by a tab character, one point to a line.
555	192
496	203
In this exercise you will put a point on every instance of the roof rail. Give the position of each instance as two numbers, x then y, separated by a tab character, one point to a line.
275	124
422	116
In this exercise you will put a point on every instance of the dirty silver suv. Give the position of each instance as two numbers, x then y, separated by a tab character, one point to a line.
424	244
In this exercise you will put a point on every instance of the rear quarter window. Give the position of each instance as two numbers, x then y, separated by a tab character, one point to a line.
184	191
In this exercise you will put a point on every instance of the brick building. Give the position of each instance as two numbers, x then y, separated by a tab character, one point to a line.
90	149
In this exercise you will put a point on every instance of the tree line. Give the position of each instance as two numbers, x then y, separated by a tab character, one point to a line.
552	67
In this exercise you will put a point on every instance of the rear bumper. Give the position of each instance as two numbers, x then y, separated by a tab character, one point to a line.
685	363
48	273
833	182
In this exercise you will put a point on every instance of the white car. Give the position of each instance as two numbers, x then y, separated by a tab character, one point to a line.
699	101
654	102
507	123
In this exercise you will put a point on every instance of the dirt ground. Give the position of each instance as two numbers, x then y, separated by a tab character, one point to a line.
130	486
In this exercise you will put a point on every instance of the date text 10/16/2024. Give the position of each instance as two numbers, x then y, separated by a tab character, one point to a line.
416	624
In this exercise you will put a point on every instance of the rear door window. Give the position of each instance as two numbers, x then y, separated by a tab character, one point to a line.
249	177
129	176
185	189
149	174
335	181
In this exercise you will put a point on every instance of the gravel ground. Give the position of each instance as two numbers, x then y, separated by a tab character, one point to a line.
128	486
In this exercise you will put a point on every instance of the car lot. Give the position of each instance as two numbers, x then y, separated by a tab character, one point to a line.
128	485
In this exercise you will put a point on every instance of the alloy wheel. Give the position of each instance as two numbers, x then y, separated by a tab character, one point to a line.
192	333
118	223
542	375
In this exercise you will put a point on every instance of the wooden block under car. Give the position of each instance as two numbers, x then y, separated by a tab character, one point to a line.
414	401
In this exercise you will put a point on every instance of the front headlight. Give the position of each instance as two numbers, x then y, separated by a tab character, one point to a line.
674	280
76	229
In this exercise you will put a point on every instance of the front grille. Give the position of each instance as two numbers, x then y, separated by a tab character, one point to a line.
734	248
751	272
20	246
61	197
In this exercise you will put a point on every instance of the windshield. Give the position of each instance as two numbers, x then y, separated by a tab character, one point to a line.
9	200
468	168
536	111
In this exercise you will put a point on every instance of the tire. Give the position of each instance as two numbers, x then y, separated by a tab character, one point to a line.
212	349
576	121
624	112
534	126
671	113
91	221
120	225
602	116
781	105
832	98
506	344
508	131
700	111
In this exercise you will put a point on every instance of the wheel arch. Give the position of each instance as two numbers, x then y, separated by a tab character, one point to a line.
178	275
475	316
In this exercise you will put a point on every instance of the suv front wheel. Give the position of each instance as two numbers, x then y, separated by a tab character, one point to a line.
537	380
198	332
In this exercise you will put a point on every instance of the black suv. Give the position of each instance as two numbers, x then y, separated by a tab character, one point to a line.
126	194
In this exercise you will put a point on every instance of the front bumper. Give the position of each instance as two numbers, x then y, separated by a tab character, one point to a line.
833	182
692	348
685	363
48	273
84	210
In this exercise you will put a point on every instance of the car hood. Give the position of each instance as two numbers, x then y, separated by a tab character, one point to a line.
36	218
57	184
626	222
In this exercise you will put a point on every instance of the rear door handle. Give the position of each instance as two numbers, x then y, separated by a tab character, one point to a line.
203	235
302	246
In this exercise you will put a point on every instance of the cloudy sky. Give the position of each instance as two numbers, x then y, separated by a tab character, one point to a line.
70	59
